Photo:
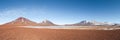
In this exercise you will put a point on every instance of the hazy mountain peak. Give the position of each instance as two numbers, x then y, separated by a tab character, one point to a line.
46	23
93	22
22	19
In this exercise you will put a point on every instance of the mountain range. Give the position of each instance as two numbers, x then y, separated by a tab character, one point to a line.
21	21
91	23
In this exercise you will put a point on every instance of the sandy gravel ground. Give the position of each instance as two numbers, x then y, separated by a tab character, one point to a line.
16	33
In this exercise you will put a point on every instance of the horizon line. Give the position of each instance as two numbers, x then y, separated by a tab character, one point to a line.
53	22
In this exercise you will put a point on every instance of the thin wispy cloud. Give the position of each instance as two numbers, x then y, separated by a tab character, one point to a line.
20	12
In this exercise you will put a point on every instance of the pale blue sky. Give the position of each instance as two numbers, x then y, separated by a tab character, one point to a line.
60	11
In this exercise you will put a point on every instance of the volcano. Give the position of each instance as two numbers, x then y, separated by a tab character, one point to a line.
91	23
21	21
46	23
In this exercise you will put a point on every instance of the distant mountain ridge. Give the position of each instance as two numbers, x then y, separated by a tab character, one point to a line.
21	21
90	23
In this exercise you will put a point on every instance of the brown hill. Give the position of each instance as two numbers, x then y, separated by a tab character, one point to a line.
47	23
21	21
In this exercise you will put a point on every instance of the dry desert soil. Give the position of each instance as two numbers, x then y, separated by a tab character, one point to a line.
19	33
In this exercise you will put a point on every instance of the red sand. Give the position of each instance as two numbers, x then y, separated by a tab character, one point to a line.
57	34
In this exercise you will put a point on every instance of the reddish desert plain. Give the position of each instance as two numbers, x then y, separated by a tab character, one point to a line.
20	33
